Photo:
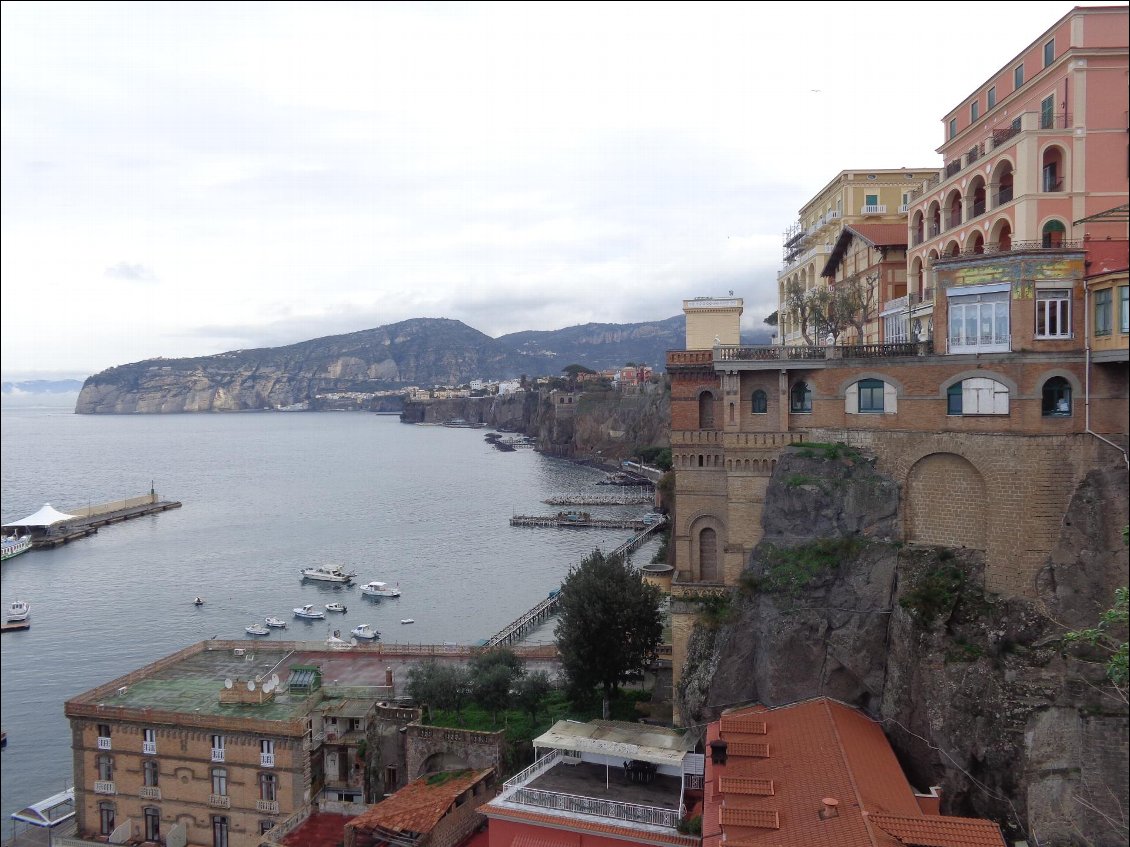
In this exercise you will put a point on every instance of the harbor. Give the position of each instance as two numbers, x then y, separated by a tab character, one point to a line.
48	527
582	520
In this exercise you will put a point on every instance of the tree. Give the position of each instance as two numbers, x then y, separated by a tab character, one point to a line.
493	673
771	319
798	306
531	691
608	629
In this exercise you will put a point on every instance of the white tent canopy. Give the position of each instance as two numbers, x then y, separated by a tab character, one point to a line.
618	740
47	516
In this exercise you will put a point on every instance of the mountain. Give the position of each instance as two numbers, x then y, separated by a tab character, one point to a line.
421	352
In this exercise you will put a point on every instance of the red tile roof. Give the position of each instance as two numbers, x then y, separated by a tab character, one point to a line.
418	806
820	749
318	830
881	235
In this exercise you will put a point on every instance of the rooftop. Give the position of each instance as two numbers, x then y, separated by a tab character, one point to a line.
419	806
621	739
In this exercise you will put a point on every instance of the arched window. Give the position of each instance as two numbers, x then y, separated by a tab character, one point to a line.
1053	234
706	410
1057	398
708	555
800	398
106	818
149	772
152	823
953	399
871	396
760	402
977	396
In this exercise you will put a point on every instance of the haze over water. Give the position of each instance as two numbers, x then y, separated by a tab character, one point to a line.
264	495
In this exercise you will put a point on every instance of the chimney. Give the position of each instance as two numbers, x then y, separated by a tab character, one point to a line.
718	751
388	677
830	808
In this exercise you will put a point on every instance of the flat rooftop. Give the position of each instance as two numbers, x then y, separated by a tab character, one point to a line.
587	779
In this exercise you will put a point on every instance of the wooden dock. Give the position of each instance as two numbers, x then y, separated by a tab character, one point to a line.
87	521
15	626
582	520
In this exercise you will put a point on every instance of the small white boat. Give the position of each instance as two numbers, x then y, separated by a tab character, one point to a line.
277	623
408	620
309	612
335	607
13	545
380	589
19	611
328	573
257	629
363	630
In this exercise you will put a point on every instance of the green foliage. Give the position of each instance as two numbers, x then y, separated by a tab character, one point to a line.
935	592
963	651
1109	635
660	557
771	319
658	456
828	452
440	685
530	692
715	609
789	569
572	370
444	776
690	826
609	626
797	480
666	484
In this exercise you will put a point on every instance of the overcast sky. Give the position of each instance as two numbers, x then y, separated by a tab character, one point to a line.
187	178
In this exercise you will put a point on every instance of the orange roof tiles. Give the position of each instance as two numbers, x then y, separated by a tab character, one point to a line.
751	749
742	723
760	818
743	785
881	235
939	831
418	806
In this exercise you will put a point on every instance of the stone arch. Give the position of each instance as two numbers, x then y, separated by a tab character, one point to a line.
976	242
443	760
707	543
1001	182
1001	234
934	219
945	502
953	206
706	409
952	248
916	276
1053	168
1053	233
918	226
975	197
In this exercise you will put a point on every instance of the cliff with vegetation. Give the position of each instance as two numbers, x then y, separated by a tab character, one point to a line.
979	694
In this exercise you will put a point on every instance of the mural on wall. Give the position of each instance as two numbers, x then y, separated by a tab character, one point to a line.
1022	274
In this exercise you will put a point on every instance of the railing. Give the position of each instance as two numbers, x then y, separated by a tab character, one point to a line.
904	208
271	807
953	219
149	792
930	183
829	217
1055	121
927	296
149	748
219	801
217	754
897	303
1003	196
876	209
103	786
103	742
360	692
535	770
975	153
575	804
884	351
266	760
1002	136
953	168
934	230
916	239
1052	184
978	209
1012	247
694	781
770	352
689	357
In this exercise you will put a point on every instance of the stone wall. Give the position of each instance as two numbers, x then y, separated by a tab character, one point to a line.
435	748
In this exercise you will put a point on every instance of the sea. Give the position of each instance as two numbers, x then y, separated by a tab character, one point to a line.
263	495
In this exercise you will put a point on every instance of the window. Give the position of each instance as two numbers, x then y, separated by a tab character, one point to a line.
1057	398
1018	76
149	741
953	127
266	826
1047	112
219	781
217	748
871	396
800	398
219	831
974	110
979	323
760	402
106	818
706	410
1124	309
152	824
1049	52
105	768
871	199
992	97
268	786
103	736
977	396
1053	313
149	773
1050	176
1102	312
266	753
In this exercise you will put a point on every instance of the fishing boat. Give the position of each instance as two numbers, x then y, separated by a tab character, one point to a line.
257	629
408	620
309	612
277	623
363	630
335	607
13	545
19	611
328	573
380	589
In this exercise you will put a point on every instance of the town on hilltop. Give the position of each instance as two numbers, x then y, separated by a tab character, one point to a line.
893	581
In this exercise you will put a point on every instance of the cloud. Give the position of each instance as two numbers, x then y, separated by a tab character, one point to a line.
131	272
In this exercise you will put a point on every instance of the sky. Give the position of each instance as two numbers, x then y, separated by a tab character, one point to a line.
183	179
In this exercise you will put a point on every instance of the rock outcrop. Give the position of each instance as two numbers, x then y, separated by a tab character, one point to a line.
977	693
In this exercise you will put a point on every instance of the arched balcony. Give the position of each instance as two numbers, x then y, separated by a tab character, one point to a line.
953	209
1053	234
1002	184
975	197
934	214
1052	169
917	228
1001	235
975	243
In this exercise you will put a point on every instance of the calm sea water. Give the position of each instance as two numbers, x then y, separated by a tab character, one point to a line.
263	495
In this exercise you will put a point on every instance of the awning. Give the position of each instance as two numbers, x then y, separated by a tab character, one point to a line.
625	741
46	516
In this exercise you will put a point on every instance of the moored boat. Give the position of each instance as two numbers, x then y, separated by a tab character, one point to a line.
408	620
309	612
328	573
336	607
277	623
19	611
13	545
363	630
257	629
380	589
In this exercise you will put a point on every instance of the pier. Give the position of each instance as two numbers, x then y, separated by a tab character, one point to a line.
643	498
576	519
56	528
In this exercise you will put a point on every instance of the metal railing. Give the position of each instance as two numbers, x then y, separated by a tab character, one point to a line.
576	804
1060	120
978	209
1005	134
953	219
953	168
1003	196
534	771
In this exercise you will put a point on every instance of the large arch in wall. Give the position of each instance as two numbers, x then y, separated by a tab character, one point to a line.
945	503
707	542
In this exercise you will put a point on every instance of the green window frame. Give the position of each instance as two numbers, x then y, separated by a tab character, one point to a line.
759	403
953	399
974	110
1047	112
871	396
1049	52
1102	312
991	97
800	398
953	127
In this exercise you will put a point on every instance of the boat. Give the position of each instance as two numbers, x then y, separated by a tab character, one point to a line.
257	629
308	611
19	611
380	589
277	623
328	573
13	545
335	607
198	601
363	630
408	620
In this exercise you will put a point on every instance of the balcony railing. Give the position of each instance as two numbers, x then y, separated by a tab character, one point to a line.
1012	247
876	209
898	303
534	771
934	230
1051	184
904	208
978	209
266	760
104	786
576	804
884	351
953	219
271	807
774	353
219	801
217	754
1004	134
1003	196
953	168
916	239
103	742
927	296
1055	121
149	748
149	792
975	153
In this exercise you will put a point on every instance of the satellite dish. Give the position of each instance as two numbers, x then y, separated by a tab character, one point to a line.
250	685
275	681
228	683
268	687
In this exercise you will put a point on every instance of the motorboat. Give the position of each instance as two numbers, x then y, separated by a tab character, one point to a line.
277	623
380	589
13	545
335	607
336	642
198	601
19	611
309	612
408	620
328	573
363	630
257	629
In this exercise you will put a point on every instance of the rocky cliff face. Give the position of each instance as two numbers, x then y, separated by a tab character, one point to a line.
976	692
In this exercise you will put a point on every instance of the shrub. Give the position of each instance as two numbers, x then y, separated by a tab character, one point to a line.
936	591
789	569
